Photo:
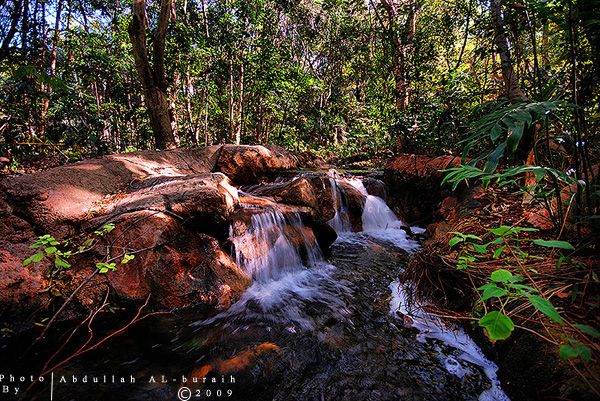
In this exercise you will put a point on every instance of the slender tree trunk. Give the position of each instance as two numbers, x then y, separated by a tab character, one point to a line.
232	130
15	16
53	56
240	106
400	37
207	141
25	26
153	78
511	81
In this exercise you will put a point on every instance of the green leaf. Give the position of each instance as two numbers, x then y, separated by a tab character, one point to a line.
497	325
60	262
500	231
493	291
50	250
554	244
494	158
454	241
515	135
127	258
576	350
544	306
498	251
516	279
35	258
589	330
501	276
480	248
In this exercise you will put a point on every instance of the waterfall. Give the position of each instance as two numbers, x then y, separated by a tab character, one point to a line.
272	245
289	274
376	213
340	221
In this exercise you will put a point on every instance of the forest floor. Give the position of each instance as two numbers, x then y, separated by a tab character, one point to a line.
458	262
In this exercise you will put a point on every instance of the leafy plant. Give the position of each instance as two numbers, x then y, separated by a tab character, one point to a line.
49	247
504	289
504	127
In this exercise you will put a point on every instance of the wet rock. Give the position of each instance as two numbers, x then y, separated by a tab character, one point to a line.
176	267
313	191
325	236
355	202
246	164
376	187
414	185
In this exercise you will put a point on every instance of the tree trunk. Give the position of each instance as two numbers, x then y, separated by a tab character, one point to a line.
153	78
511	81
400	40
15	15
53	56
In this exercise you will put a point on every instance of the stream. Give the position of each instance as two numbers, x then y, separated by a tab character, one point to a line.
308	328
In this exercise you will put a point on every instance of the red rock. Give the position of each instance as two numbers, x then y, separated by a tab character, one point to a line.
246	164
414	185
178	267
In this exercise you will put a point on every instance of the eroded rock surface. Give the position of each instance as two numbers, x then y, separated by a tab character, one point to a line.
172	209
414	185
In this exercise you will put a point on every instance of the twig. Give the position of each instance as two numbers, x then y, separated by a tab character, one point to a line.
85	348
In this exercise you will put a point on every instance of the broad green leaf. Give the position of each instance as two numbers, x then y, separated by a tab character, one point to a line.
497	325
50	250
35	258
480	248
498	251
454	241
492	292
589	330
544	306
501	276
576	350
494	158
554	244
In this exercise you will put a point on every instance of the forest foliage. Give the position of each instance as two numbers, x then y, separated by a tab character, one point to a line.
84	77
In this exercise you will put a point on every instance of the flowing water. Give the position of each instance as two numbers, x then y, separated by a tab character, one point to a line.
307	329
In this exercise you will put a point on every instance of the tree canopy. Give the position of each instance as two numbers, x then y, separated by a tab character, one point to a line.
82	77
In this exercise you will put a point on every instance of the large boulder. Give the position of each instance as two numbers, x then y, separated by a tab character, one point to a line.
414	185
176	267
202	202
63	195
246	164
311	190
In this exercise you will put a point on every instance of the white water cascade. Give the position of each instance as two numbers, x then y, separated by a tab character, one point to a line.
288	273
376	214
341	220
266	250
